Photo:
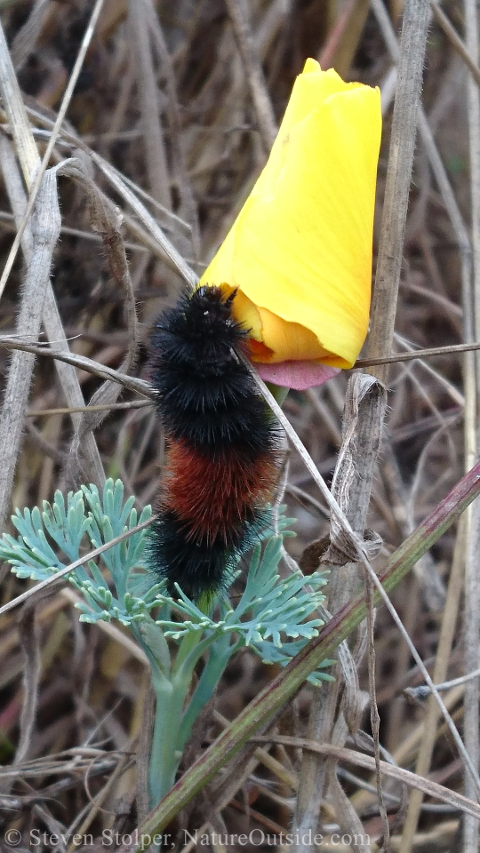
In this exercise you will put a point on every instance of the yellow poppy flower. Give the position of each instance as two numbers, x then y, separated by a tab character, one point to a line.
300	250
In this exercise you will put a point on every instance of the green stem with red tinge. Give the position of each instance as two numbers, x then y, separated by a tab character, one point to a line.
290	679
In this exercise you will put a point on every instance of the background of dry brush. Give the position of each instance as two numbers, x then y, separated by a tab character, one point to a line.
165	98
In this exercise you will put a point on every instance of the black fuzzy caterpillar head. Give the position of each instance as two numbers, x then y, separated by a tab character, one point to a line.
204	392
198	331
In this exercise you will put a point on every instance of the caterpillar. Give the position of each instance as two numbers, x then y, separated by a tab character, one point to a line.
222	444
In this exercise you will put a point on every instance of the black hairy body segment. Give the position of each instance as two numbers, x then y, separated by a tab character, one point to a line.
223	444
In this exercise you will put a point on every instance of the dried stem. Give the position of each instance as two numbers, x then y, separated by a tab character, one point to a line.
286	683
471	310
370	420
239	15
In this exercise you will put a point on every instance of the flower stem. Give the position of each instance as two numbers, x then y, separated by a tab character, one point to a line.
287	682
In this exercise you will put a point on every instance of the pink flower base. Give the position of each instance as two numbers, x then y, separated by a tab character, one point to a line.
298	375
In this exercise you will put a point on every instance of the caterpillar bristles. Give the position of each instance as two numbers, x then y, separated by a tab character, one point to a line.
223	445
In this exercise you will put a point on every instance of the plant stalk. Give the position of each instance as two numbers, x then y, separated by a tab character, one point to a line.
287	682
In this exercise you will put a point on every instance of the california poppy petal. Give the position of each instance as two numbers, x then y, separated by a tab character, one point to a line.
300	250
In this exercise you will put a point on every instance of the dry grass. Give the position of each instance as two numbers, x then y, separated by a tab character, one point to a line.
170	120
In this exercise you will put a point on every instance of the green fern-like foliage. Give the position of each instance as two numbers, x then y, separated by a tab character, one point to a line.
274	616
84	522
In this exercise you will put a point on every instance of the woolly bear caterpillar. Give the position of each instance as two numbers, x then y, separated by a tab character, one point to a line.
223	444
